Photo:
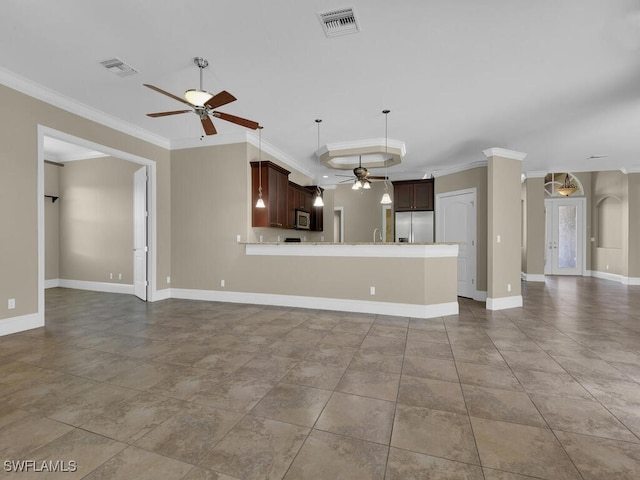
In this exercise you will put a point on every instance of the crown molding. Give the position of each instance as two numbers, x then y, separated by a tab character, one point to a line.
504	153
535	174
37	91
459	168
252	138
366	143
627	171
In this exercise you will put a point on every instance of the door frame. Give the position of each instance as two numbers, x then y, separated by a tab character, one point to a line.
581	203
140	233
44	131
340	211
472	257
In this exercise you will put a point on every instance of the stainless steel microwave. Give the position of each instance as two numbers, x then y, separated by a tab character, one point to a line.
303	220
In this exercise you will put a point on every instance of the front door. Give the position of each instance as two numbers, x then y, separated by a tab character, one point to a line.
565	236
456	223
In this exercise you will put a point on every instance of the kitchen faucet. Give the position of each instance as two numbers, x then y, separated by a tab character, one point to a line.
379	234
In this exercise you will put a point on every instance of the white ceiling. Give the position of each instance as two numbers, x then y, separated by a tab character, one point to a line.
556	79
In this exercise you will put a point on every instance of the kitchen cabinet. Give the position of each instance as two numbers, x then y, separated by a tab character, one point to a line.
298	198
275	184
317	213
411	195
281	198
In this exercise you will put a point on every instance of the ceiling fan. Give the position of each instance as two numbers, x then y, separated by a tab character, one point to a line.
361	177
204	104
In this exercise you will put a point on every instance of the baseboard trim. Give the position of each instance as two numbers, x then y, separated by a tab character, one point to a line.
631	280
607	276
163	294
480	296
503	303
97	286
320	303
533	277
21	323
52	283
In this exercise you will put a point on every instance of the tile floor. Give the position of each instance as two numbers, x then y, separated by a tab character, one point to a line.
197	390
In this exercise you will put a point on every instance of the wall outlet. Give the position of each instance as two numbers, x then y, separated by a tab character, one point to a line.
119	276
372	290
11	303
498	238
260	238
607	266
508	287
168	279
322	238
278	237
222	283
111	276
238	238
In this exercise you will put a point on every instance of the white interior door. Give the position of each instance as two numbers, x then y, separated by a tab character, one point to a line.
456	222
140	233
565	236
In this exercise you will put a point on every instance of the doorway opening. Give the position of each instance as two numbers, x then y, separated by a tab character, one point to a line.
338	224
149	271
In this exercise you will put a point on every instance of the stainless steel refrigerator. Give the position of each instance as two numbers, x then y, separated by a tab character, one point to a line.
414	227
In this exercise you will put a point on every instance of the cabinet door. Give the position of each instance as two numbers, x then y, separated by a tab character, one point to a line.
423	196
282	183
403	196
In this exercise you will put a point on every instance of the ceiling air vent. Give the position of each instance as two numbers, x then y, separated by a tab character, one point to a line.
118	67
339	22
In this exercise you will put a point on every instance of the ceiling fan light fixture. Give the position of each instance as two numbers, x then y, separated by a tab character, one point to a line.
356	185
366	185
197	97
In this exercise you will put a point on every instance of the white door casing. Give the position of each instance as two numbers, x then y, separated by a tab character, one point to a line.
456	222
140	247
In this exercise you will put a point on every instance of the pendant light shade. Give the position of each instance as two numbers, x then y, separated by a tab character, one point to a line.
568	187
197	97
260	202
386	199
318	201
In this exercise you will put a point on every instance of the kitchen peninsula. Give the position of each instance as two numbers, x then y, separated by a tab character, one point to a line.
411	280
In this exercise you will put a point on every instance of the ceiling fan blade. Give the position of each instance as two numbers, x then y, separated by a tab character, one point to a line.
207	124
164	114
159	90
220	99
237	120
345	181
349	176
377	177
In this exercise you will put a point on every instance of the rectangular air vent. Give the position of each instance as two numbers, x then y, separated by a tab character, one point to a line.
339	22
118	67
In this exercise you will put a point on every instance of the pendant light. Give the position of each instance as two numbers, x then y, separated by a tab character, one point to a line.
318	202
568	187
386	199
260	202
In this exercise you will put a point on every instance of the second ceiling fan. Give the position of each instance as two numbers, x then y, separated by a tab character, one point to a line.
204	104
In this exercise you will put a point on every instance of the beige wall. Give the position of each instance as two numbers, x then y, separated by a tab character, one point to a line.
472	178
534	226
504	220
210	196
51	222
609	195
19	119
362	210
96	220
632	218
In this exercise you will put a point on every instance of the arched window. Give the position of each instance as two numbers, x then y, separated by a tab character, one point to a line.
562	185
